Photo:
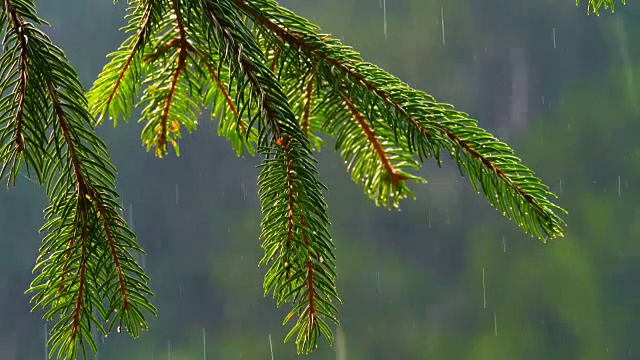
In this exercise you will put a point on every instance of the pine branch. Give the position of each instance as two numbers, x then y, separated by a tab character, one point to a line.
86	254
295	225
419	124
374	154
299	84
169	88
275	85
119	82
201	53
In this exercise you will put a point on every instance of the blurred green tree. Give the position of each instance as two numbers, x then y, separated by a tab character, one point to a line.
276	84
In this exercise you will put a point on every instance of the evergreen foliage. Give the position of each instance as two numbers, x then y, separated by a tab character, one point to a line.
594	6
275	84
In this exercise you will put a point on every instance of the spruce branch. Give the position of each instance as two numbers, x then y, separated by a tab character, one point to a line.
420	124
86	253
374	155
201	53
295	225
119	83
275	84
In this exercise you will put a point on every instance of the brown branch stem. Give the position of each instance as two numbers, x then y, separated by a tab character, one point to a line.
371	137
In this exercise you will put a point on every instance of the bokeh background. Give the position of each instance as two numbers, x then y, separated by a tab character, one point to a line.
445	278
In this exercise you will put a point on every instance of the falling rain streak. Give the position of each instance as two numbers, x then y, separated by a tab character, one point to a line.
442	22
204	344
484	291
130	217
271	346
384	16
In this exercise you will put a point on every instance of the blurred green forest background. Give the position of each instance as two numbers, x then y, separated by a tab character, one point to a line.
445	278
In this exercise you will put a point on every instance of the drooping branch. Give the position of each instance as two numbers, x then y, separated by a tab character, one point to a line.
275	85
86	252
427	125
287	157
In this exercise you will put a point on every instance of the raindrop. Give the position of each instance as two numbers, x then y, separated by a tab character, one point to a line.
618	185
271	346
442	22
384	14
204	345
504	244
495	323
554	38
484	291
130	220
560	186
